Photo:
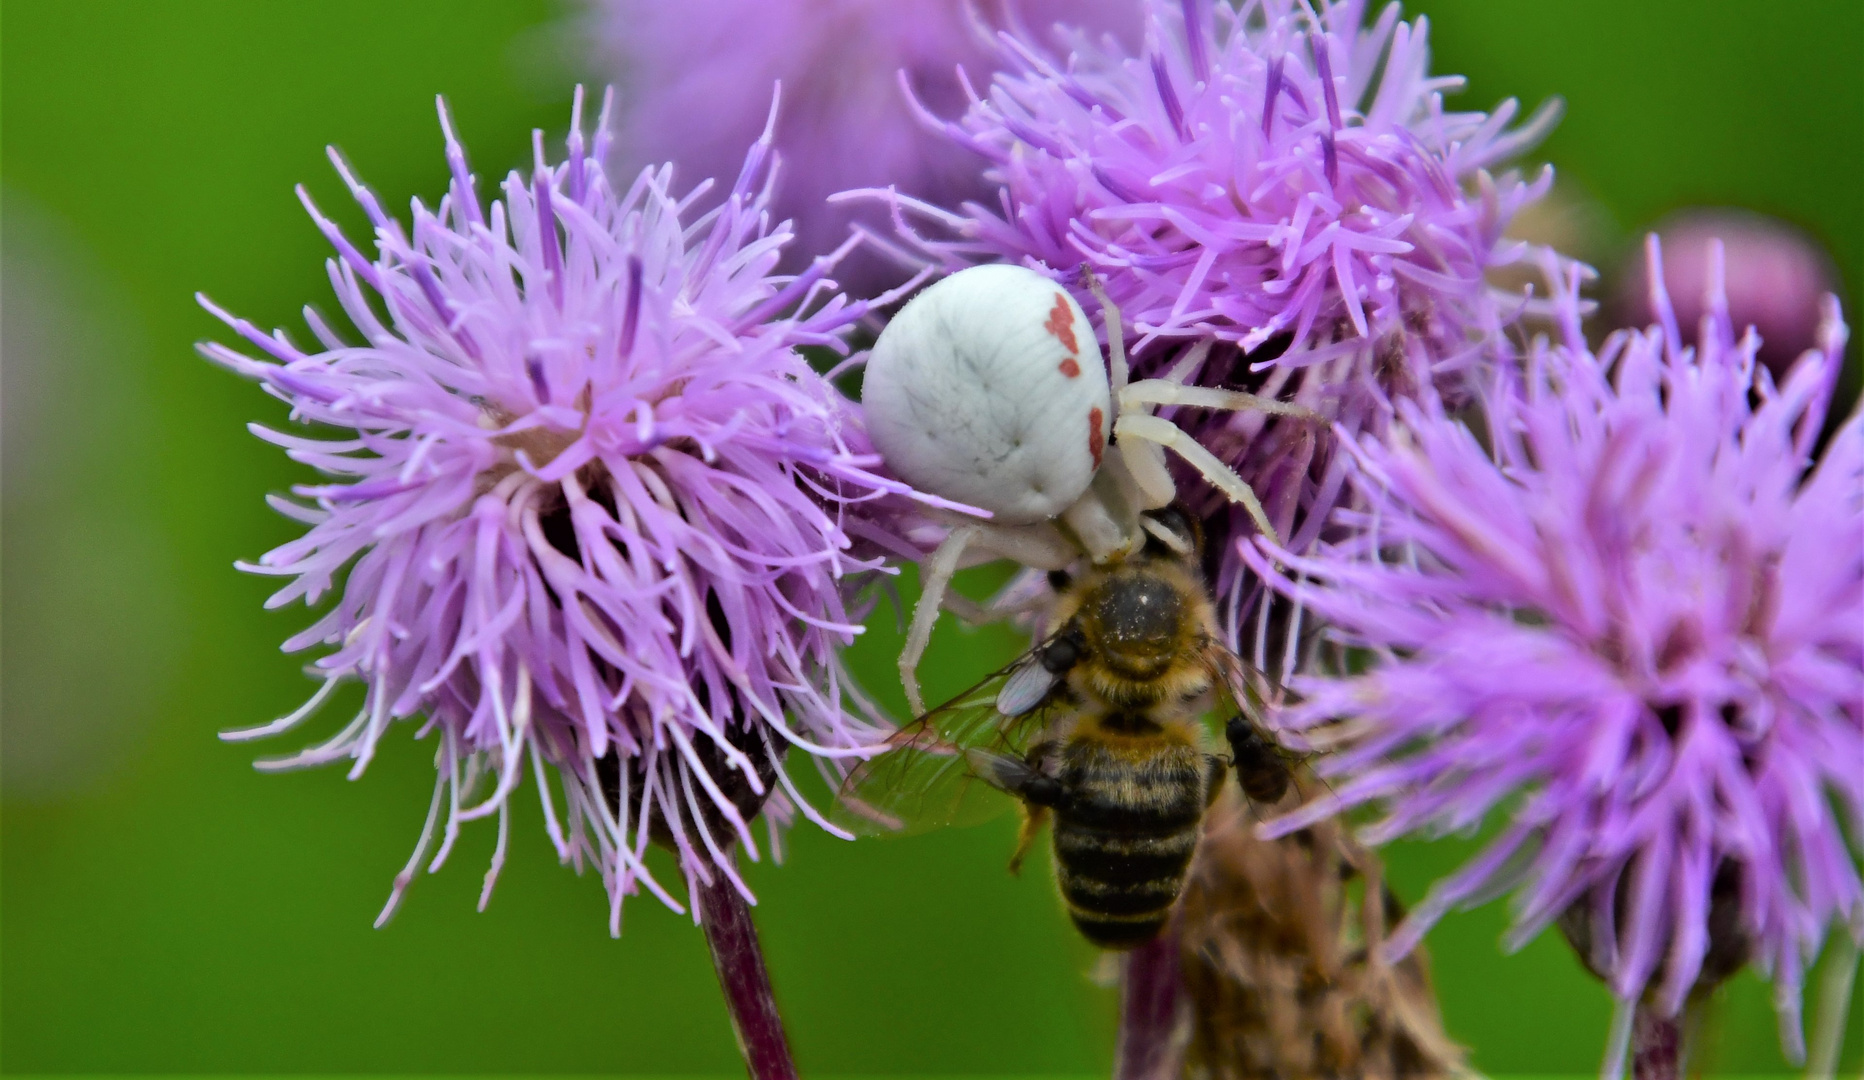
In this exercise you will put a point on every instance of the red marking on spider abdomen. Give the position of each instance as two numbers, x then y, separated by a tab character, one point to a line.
1070	368
1061	324
1095	443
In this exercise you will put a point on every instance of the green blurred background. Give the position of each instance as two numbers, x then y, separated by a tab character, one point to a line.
167	909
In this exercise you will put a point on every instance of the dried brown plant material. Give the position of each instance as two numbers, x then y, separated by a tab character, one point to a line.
1280	967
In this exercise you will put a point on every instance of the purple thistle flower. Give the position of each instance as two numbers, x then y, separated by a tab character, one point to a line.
589	503
1775	276
842	64
1636	628
1286	184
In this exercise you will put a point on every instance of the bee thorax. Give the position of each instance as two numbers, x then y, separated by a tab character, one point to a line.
1138	620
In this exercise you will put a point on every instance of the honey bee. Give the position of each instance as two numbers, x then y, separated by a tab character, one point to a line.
1099	727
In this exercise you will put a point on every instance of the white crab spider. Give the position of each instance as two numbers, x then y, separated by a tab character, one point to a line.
988	389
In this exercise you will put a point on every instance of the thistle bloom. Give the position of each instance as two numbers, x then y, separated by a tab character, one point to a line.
588	504
1774	274
1285	184
1636	629
842	63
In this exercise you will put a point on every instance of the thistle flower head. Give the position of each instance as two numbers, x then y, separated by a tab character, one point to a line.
1633	625
586	504
842	63
1774	274
1286	184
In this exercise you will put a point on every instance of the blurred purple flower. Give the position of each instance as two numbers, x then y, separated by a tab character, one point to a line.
1776	277
1638	625
699	72
1286	184
591	502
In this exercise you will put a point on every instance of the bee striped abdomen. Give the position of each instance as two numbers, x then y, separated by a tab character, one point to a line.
1124	836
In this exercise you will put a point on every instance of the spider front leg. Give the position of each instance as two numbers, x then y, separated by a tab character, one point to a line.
1158	430
1136	403
938	571
1117	372
1154	392
1038	546
1133	404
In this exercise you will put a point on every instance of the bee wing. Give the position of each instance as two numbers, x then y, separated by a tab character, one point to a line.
1244	685
925	778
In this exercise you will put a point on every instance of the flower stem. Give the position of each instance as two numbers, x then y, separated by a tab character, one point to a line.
746	982
1656	1045
1148	1047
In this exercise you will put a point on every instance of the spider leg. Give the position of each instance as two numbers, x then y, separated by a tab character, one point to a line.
965	608
1145	463
938	571
1172	437
1116	334
1192	359
1170	392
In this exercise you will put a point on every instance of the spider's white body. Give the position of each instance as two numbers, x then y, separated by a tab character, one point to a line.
988	389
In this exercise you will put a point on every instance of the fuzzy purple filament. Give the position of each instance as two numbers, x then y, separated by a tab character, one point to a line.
1629	619
586	498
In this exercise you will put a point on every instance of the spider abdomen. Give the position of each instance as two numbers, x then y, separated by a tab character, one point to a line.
988	388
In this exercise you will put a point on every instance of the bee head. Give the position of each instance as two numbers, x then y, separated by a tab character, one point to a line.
1137	623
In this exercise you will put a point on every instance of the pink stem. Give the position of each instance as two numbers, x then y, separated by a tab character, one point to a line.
1147	1048
745	981
1656	1045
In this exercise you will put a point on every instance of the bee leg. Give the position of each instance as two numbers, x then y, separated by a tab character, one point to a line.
1034	817
1037	790
1016	776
